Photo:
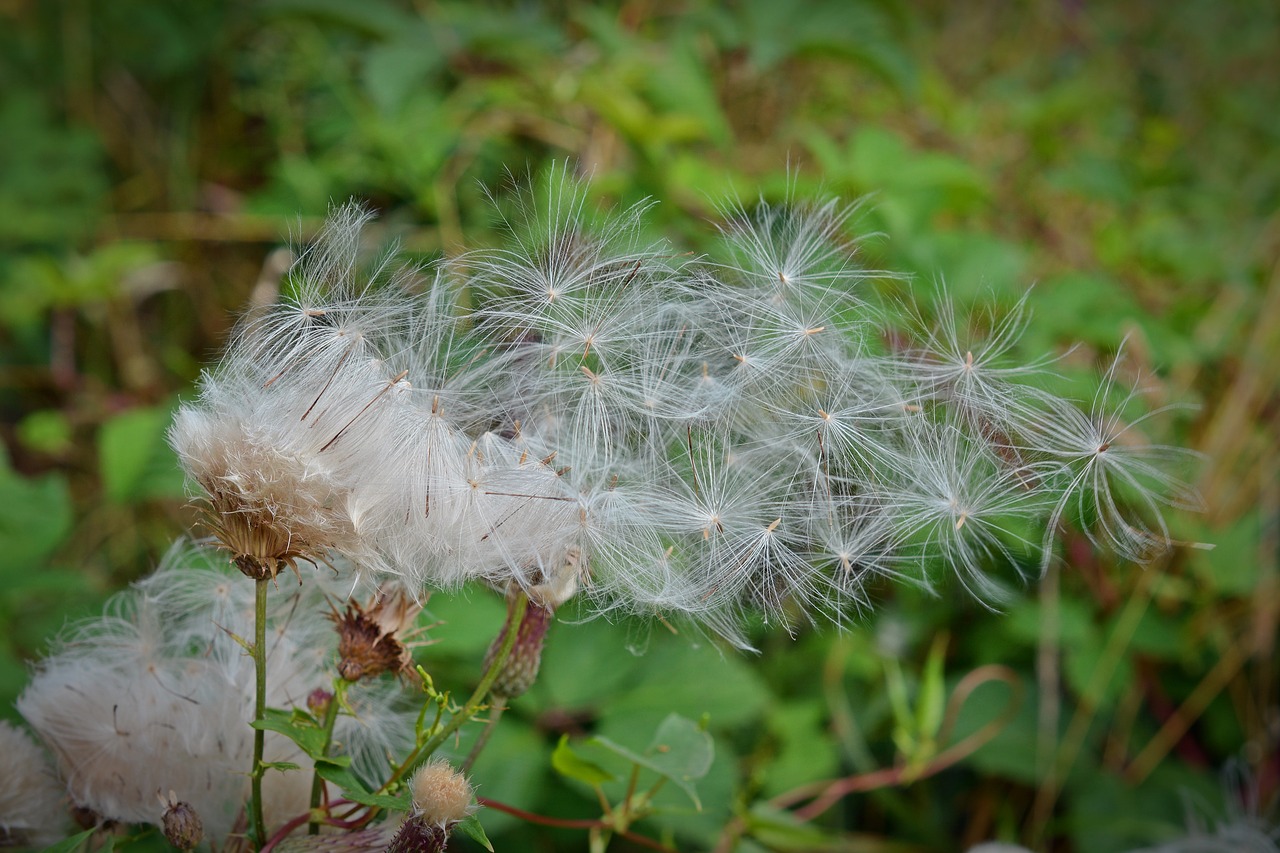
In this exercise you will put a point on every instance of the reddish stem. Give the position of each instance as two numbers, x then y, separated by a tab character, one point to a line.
283	832
570	823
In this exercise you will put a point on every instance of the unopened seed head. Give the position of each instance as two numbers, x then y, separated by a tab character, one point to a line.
182	826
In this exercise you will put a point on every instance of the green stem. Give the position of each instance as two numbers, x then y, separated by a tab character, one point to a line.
495	714
477	697
330	716
259	710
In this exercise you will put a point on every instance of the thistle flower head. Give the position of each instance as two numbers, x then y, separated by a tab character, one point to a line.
441	795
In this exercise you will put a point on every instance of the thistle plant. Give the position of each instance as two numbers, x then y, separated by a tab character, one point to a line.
576	414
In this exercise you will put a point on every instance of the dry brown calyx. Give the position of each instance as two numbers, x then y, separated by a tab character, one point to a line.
261	545
372	640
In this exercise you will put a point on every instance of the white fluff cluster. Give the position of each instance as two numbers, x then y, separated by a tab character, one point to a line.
695	436
309	439
33	811
151	697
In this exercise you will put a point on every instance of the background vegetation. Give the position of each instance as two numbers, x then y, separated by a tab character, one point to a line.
1122	158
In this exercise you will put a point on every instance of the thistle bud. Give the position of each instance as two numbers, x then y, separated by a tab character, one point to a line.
318	701
520	669
182	826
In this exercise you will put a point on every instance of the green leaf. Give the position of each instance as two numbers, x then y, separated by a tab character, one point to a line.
135	459
568	763
392	71
355	790
36	518
680	751
681	748
471	828
283	766
931	700
298	726
675	676
805	748
777	829
47	431
575	674
67	845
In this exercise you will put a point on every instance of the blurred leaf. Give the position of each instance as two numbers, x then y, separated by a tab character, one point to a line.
1012	752
69	845
673	677
135	459
512	769
376	18
38	283
469	620
46	431
393	70
806	750
569	763
36	518
680	751
1231	568
52	177
578	670
779	830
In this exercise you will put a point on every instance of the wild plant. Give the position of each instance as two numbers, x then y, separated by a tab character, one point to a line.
576	414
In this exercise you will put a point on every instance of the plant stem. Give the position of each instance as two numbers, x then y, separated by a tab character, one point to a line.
495	714
330	715
477	697
259	710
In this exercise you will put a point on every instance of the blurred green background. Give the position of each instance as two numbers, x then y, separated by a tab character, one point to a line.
1123	158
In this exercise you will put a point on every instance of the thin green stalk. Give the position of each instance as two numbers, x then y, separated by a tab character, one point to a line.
259	710
477	697
495	714
330	716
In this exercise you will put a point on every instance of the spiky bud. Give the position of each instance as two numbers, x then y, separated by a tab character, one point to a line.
520	669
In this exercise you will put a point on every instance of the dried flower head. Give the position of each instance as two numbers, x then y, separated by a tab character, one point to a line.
373	640
295	413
